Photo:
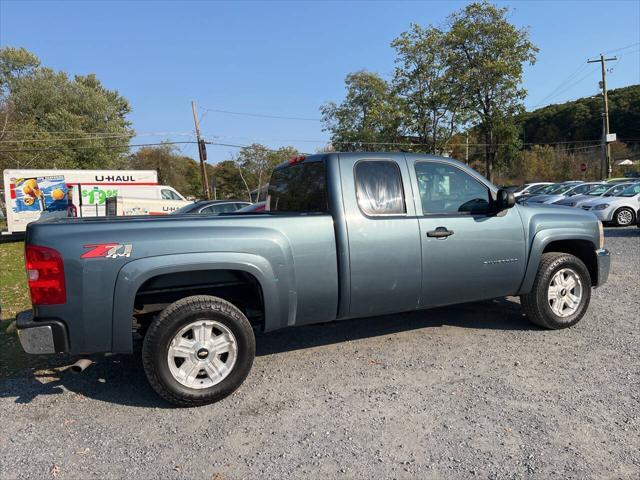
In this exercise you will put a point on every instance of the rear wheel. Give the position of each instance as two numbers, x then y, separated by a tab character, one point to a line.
199	350
561	292
624	217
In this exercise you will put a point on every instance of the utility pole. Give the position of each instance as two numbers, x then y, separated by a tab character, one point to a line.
606	149
466	155
202	152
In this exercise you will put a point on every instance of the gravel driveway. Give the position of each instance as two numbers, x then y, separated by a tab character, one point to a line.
455	392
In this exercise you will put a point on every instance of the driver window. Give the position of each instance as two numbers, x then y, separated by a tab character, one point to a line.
445	189
166	194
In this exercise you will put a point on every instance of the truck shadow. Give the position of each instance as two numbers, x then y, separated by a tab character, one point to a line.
621	232
120	379
498	314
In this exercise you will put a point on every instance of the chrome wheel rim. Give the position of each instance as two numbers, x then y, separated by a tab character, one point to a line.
625	217
565	292
202	354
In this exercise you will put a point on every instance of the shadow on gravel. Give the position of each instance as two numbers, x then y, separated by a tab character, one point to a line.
622	232
120	379
498	314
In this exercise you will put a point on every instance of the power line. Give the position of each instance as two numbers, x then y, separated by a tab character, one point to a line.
575	72
621	48
581	79
107	147
97	137
262	115
81	132
102	137
293	140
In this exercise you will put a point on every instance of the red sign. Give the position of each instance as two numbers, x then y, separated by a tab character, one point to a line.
583	167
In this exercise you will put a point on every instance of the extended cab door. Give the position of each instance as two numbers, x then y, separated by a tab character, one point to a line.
383	235
468	252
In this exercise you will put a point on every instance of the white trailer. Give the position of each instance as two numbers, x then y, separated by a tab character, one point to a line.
32	194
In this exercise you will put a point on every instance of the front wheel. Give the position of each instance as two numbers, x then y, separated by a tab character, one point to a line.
561	292
624	217
199	350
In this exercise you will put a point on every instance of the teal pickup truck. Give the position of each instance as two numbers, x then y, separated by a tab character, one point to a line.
344	235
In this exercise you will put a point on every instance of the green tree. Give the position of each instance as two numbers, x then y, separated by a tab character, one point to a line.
431	98
48	120
178	171
255	164
228	181
368	117
487	54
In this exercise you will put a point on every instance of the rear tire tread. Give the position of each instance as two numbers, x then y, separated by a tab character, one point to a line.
203	303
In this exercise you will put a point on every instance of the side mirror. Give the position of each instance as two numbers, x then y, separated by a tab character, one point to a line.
505	199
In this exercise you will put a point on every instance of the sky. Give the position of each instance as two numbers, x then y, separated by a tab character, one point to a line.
288	58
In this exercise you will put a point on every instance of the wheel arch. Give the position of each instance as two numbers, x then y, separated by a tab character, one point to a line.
577	243
135	275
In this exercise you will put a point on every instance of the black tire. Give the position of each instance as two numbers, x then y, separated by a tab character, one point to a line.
175	317
621	212
536	304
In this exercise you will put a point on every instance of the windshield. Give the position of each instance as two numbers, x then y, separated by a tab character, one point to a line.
599	190
630	191
185	209
561	189
537	188
584	188
547	188
613	191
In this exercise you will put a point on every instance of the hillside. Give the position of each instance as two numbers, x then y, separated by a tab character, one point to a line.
580	120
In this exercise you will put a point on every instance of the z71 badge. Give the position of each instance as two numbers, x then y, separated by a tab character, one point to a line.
108	250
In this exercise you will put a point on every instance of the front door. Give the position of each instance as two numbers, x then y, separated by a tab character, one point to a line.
468	252
384	241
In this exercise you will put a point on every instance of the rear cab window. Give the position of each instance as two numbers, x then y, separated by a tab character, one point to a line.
379	188
298	188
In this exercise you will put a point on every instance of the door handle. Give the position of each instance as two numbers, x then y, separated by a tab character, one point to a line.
440	232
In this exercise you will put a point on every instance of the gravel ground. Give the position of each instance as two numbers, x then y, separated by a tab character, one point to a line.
455	392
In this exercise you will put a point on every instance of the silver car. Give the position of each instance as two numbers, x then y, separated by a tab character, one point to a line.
621	209
563	191
604	190
530	188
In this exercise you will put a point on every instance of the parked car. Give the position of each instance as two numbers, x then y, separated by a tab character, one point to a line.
622	180
212	207
530	188
257	207
621	209
540	190
603	190
564	191
548	190
568	189
345	235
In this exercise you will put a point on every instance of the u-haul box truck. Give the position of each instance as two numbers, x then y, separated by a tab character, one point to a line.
127	206
34	194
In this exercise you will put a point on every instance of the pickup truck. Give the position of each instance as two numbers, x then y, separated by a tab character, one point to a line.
343	235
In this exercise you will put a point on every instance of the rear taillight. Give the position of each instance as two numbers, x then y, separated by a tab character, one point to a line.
45	273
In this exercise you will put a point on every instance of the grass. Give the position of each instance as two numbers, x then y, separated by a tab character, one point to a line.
14	294
14	297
